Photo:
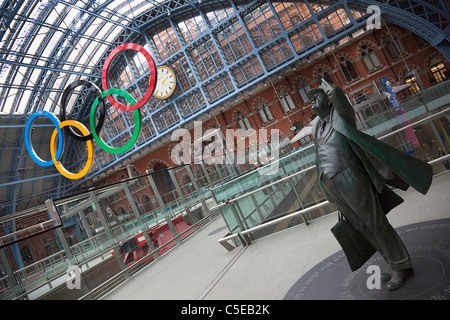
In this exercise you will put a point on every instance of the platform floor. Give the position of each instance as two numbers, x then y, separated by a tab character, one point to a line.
201	268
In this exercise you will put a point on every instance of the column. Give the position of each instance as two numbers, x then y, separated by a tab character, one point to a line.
181	196
162	207
139	218
108	233
9	271
194	182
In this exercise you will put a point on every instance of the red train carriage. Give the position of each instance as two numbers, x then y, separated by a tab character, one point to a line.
136	248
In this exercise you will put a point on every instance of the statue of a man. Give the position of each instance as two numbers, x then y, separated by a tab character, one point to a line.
354	171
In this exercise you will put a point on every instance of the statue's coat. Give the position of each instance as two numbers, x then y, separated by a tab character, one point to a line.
384	164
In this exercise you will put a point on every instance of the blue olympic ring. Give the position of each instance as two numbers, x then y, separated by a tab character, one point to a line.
28	144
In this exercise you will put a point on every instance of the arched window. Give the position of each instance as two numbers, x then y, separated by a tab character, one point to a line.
348	69
410	78
286	100
322	74
394	47
243	121
27	256
303	88
438	70
50	246
264	111
370	58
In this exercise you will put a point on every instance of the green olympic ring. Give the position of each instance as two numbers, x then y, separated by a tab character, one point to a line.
137	119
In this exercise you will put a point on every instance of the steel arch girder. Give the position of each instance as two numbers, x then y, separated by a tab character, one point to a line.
407	19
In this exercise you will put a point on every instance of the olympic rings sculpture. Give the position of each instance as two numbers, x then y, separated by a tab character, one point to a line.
57	140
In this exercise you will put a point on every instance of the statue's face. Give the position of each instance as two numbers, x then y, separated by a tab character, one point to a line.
321	104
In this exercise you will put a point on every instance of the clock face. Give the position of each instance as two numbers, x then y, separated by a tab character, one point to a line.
165	83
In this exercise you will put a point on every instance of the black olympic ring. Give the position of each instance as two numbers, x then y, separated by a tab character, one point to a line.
102	107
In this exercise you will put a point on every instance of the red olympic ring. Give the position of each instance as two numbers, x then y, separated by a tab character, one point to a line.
151	83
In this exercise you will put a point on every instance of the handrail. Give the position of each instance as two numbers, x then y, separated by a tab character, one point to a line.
436	115
262	167
264	187
300	212
212	214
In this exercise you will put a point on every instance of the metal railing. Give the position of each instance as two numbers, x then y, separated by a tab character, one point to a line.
243	235
140	264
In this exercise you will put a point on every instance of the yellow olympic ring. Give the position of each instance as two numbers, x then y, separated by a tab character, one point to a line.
90	157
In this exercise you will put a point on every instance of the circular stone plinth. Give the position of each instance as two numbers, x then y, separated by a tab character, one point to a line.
428	244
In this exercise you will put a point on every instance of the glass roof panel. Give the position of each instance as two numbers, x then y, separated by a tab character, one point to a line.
115	32
23	102
142	9
98	54
41	26
52	17
72	97
52	43
97	29
9	101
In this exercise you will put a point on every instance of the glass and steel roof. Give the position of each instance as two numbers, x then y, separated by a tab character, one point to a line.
61	39
44	46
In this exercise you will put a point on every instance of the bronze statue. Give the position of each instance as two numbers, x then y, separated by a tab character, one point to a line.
355	170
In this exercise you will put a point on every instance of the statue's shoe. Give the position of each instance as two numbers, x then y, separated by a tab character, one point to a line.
386	276
398	279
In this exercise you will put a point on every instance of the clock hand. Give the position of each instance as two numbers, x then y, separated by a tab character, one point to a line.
167	84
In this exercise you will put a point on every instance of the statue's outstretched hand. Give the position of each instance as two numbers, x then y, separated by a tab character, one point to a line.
327	87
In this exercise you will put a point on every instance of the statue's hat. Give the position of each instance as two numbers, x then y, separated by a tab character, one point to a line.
311	93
